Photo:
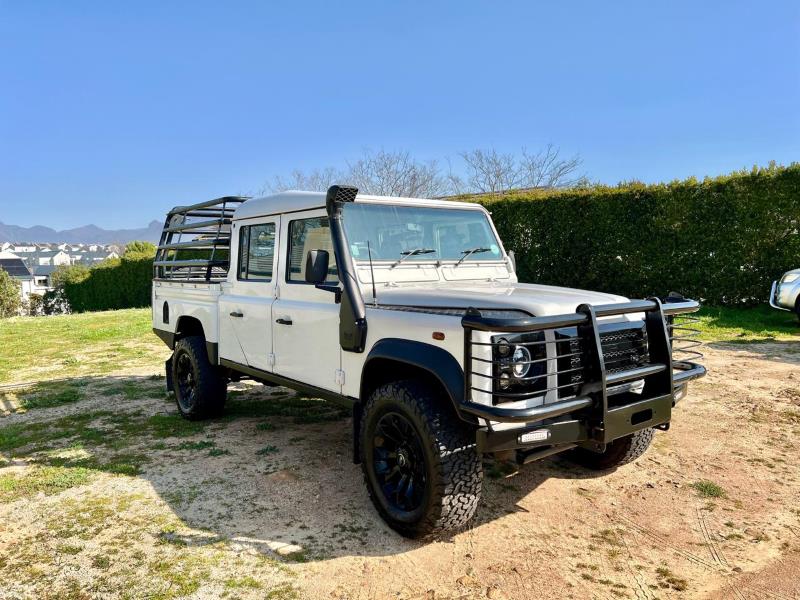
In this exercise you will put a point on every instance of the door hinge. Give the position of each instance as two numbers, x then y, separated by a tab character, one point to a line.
271	359
339	377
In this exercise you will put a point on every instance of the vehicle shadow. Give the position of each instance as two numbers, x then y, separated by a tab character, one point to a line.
274	475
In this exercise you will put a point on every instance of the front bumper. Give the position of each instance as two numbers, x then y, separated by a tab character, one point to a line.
778	298
588	418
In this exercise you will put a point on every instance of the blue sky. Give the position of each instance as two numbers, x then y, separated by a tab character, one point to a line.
110	113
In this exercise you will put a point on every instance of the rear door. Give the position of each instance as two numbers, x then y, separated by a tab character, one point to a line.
246	304
305	319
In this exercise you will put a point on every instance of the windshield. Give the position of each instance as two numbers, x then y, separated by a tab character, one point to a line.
414	233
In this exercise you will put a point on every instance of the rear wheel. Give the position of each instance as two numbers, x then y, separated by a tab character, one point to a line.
619	452
420	463
200	387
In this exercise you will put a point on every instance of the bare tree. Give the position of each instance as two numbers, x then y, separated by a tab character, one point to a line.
396	174
490	172
318	180
399	174
545	169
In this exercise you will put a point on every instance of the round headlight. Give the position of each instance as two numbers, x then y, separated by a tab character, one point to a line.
503	347
520	361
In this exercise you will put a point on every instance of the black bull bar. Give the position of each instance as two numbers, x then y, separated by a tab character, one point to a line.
586	418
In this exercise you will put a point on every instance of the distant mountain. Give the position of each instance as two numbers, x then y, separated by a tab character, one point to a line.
88	234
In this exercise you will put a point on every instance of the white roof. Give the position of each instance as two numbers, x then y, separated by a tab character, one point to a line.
295	200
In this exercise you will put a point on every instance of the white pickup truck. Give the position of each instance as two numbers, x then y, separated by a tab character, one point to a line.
410	311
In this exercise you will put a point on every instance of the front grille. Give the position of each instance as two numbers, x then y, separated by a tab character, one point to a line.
624	346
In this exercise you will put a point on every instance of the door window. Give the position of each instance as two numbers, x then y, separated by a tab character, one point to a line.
305	235
256	252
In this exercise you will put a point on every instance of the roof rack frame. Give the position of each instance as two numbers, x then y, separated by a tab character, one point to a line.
208	226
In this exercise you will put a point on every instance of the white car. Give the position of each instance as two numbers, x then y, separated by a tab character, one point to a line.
785	294
410	312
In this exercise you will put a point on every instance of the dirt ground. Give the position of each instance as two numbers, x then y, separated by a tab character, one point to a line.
266	506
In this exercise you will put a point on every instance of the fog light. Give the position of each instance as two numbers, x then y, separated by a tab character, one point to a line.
505	381
540	435
503	347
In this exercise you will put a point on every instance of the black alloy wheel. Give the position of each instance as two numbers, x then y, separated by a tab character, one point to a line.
200	387
399	462
187	383
421	464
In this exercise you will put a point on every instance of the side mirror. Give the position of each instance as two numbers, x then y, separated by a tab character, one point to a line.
317	266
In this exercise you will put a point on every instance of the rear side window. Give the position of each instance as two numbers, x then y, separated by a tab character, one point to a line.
256	252
305	235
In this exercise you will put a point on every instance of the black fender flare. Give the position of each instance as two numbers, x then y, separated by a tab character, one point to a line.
438	362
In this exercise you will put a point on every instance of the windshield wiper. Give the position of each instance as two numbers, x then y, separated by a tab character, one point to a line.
413	252
469	252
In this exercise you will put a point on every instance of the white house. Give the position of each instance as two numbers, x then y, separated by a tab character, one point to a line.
51	257
14	266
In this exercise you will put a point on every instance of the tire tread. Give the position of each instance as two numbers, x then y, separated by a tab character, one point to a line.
459	474
212	386
619	452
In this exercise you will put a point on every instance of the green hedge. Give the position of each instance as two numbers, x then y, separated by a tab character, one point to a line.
118	283
720	240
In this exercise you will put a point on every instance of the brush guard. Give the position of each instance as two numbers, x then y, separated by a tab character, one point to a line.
586	418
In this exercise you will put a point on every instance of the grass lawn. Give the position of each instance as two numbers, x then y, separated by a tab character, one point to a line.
747	325
44	348
37	348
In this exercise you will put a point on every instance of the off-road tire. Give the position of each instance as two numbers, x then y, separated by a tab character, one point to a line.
209	385
619	452
452	466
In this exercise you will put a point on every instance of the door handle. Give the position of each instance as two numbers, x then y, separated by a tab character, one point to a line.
237	314
284	321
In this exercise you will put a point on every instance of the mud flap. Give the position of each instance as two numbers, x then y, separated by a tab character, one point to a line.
168	370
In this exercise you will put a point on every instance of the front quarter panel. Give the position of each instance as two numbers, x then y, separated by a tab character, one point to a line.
407	325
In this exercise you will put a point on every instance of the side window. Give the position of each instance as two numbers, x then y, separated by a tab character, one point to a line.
305	235
256	252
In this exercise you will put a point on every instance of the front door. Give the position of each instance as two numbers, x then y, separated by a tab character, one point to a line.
306	320
246	305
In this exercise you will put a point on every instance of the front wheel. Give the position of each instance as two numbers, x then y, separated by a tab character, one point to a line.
617	453
421	465
200	387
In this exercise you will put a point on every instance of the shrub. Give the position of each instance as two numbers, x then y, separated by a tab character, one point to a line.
720	240
140	248
117	283
10	295
35	305
54	302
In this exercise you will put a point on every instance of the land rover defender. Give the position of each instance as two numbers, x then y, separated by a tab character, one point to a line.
410	312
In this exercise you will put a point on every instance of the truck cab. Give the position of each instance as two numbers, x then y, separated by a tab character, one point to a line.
410	311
